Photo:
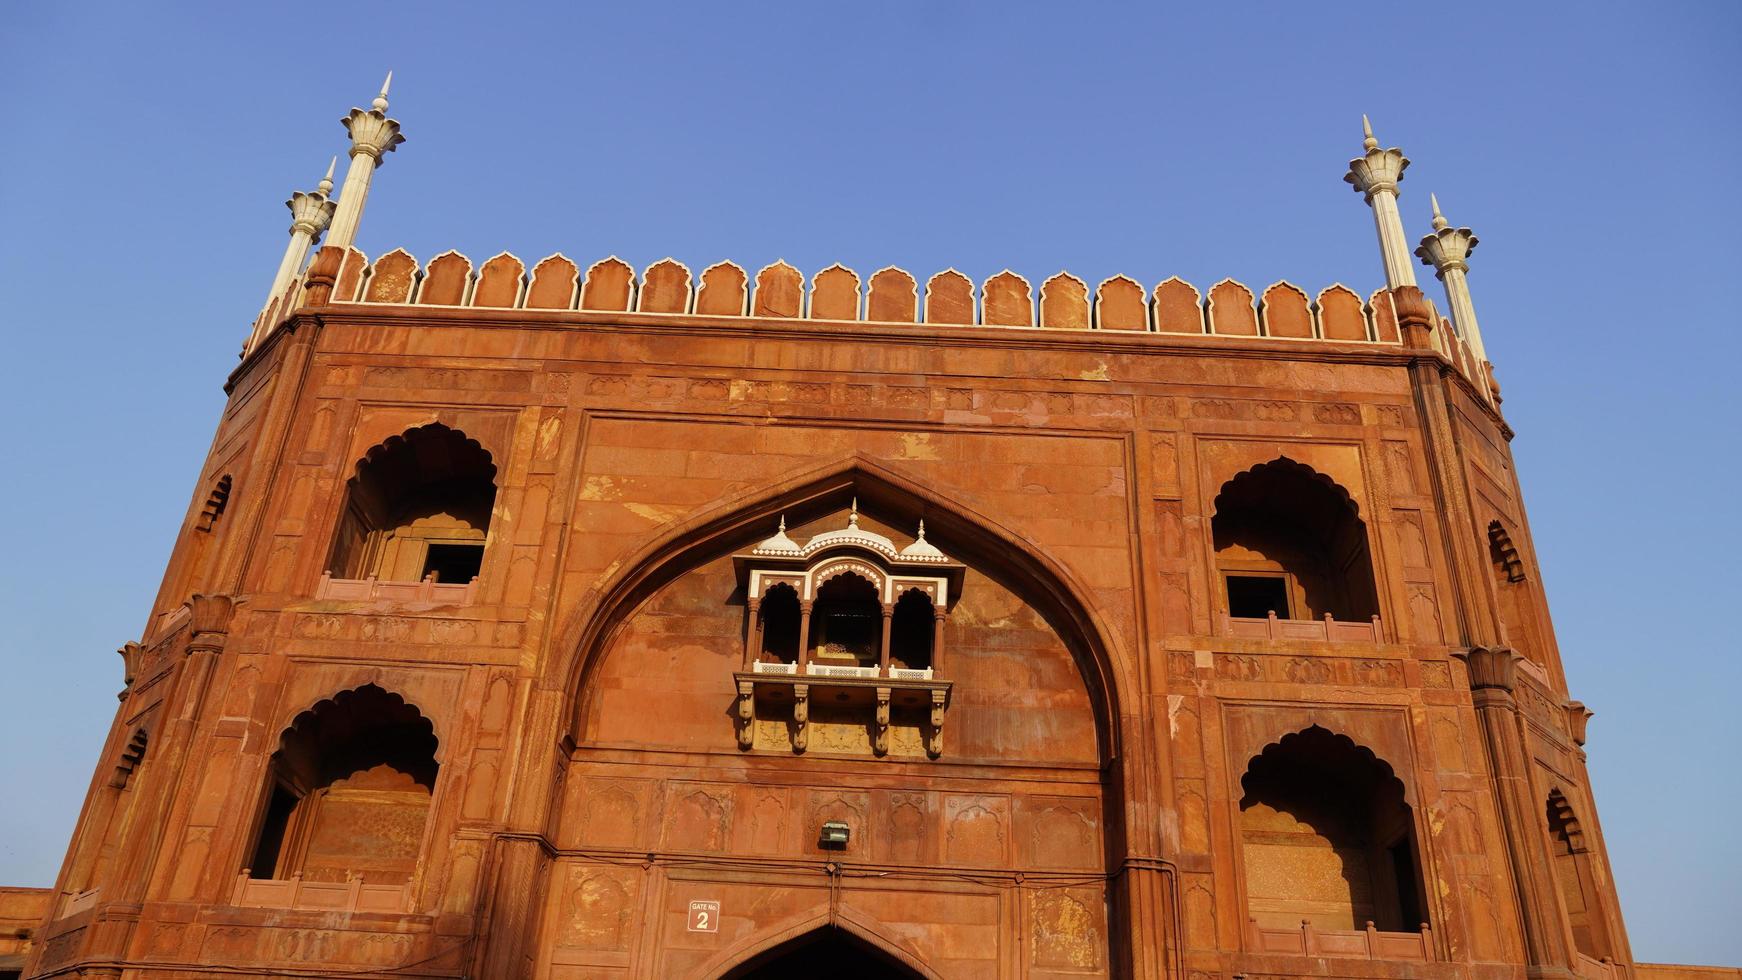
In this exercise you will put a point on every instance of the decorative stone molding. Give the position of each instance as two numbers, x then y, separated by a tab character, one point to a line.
1578	718
132	659
1490	667
209	622
323	274
1415	317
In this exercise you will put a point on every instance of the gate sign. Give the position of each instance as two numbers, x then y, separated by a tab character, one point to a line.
704	916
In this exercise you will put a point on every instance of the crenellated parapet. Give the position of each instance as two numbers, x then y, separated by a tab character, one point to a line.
891	295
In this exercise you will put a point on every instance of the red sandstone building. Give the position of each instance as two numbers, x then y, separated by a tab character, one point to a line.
550	620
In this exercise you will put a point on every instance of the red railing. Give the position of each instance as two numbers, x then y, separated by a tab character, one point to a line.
1325	630
335	896
1369	943
368	589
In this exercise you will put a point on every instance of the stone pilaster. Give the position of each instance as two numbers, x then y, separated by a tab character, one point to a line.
1493	676
372	135
1375	174
1448	250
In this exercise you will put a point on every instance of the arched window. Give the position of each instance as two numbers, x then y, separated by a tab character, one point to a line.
349	792
1289	541
418	508
1512	590
1327	837
1573	873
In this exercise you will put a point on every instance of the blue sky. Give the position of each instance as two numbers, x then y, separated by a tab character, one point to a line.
1592	146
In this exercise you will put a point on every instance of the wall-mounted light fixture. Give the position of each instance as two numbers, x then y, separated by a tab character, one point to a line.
834	835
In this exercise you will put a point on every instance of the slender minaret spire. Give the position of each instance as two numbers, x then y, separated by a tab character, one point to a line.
372	134
1375	173
1448	251
309	216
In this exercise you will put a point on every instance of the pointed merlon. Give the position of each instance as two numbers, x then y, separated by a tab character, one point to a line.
1367	140
326	184
380	103
1440	221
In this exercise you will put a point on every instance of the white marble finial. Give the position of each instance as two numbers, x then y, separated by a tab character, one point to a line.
1367	140
326	184
1440	221
782	528
853	517
922	529
380	103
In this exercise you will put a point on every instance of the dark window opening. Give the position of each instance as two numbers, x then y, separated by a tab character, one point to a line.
1257	596
454	563
780	618
272	827
910	632
1404	879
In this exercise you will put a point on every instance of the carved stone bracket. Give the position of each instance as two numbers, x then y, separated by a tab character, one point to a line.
132	658
209	622
801	716
880	734
746	714
1578	716
934	742
1490	668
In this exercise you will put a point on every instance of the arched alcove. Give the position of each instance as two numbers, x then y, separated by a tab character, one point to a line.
348	792
1327	837
418	508
1289	541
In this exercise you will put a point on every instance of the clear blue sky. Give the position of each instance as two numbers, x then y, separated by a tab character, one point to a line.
1593	147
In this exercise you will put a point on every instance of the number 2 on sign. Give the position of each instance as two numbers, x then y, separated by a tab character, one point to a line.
704	916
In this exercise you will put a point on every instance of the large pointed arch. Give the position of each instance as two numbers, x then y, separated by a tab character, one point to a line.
1017	562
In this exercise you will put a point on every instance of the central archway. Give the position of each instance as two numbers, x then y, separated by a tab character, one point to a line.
745	518
823	952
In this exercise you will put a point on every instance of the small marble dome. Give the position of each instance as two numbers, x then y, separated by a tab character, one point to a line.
779	544
922	550
852	534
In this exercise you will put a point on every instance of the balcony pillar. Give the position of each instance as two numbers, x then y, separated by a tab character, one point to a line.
938	615
804	635
753	634
883	652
